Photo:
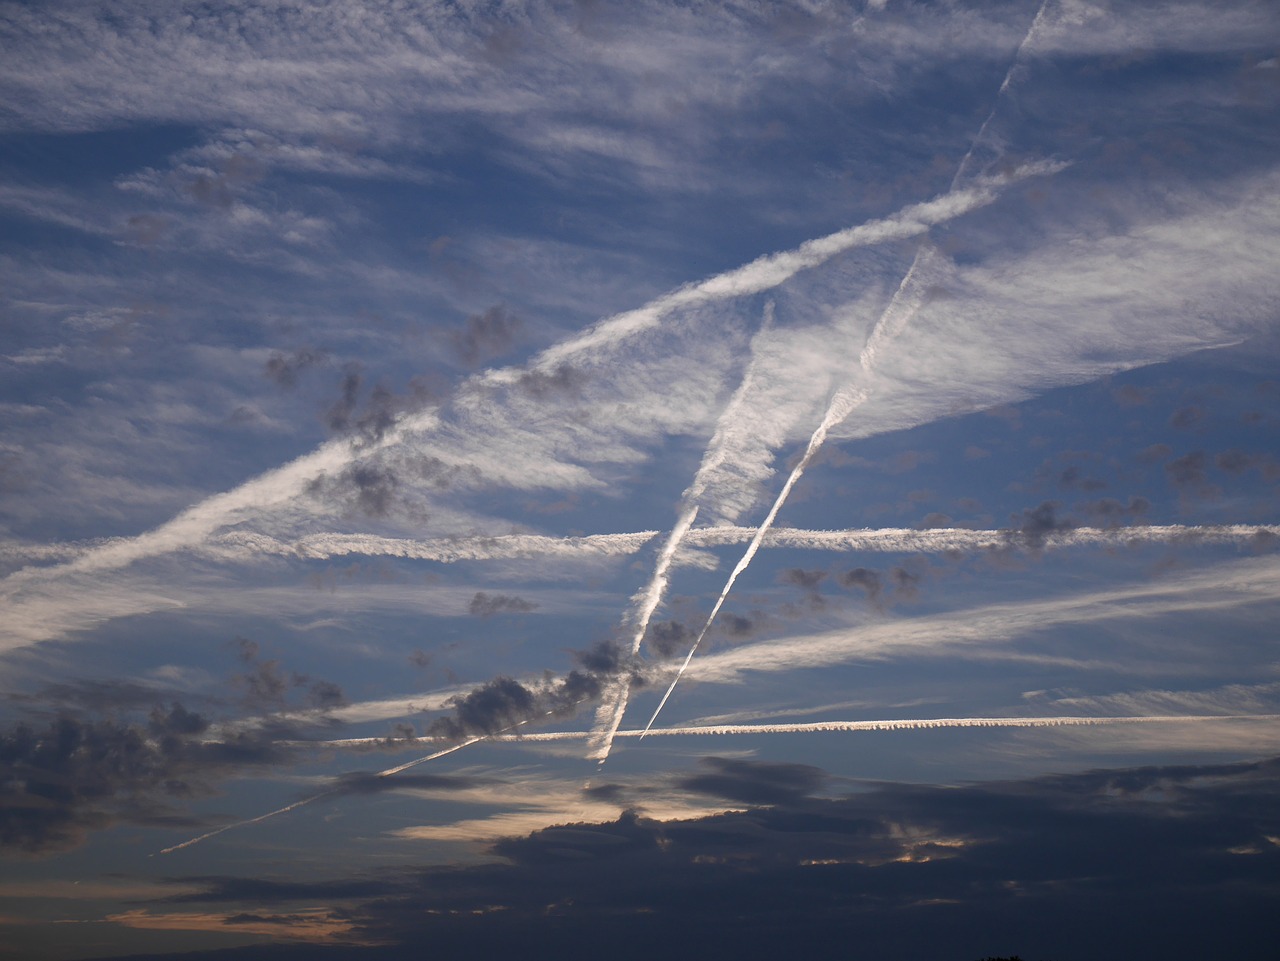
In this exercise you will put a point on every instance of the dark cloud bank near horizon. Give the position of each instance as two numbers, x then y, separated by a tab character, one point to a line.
1150	863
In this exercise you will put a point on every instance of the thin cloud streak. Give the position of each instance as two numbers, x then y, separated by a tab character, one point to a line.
885	539
1226	586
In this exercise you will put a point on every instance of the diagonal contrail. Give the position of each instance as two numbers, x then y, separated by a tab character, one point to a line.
389	772
614	703
907	299
906	302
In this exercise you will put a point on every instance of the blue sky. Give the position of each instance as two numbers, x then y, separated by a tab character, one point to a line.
378	379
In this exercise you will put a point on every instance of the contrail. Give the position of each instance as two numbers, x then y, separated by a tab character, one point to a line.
881	539
811	727
896	315
845	400
770	270
389	772
613	706
316	797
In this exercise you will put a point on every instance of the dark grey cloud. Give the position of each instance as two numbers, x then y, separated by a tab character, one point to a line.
565	382
1130	396
339	416
99	695
368	422
1153	454
73	775
1073	478
1109	512
284	368
487	605
864	578
1169	862
485	336
503	704
1031	526
1187	418
368	487
604	657
754	782
1237	462
1189	475
898	584
668	638
268	686
806	580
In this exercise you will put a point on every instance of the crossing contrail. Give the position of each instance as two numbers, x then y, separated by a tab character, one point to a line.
905	303
907	299
613	705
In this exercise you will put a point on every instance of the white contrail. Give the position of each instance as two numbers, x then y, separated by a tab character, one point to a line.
811	727
882	539
316	797
770	270
907	299
389	772
906	302
1004	86
613	705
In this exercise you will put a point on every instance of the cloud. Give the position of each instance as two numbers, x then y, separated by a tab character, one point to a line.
1237	584
1153	855
1038	523
487	605
754	782
485	336
284	369
72	775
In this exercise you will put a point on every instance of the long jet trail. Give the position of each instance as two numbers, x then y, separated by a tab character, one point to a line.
389	772
905	303
613	706
837	727
907	299
886	539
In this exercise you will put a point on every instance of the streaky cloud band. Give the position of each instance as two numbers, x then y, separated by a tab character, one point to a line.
879	540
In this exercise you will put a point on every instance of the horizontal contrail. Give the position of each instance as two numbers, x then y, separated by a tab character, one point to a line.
881	540
814	727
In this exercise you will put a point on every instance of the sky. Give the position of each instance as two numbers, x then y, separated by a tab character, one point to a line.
405	407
